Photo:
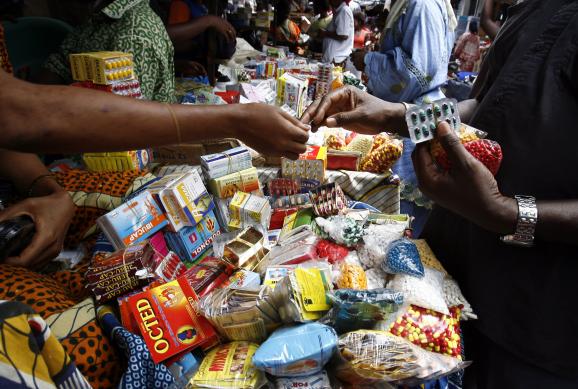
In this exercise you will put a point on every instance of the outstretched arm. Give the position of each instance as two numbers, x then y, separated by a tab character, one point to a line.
38	118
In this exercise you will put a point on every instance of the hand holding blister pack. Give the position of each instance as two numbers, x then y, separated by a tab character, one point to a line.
422	120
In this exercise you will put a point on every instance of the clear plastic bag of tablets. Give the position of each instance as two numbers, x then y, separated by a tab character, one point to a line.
402	257
361	309
426	292
375	242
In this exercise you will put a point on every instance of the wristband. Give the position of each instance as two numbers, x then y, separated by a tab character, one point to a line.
526	225
34	182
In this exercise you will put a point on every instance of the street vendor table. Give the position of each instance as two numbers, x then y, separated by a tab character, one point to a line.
378	190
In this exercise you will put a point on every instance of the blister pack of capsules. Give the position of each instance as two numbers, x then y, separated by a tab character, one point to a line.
422	120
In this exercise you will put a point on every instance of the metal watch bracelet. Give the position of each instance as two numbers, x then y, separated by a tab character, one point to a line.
526	224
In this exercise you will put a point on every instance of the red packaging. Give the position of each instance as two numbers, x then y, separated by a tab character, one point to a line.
208	274
126	318
278	216
168	321
343	160
170	267
231	97
486	151
332	251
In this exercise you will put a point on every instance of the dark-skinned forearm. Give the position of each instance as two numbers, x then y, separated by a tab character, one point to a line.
488	24
113	123
557	221
22	169
333	35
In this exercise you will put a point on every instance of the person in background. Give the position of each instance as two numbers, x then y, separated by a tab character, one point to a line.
187	26
362	33
121	25
338	37
468	48
323	17
494	14
286	31
354	6
411	65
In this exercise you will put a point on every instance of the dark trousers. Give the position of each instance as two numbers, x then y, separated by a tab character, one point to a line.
494	367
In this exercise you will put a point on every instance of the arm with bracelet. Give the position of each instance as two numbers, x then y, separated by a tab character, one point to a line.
469	189
49	119
45	202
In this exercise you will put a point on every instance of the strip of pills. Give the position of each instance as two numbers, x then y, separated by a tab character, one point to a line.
422	120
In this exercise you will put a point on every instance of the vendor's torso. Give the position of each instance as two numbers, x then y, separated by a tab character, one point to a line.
529	104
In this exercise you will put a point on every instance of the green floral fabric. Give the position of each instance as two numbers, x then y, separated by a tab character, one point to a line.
130	26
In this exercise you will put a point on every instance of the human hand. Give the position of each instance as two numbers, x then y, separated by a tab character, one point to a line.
271	131
189	68
469	189
358	59
354	110
223	27
51	215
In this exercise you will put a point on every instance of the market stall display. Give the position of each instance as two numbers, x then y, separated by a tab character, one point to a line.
296	273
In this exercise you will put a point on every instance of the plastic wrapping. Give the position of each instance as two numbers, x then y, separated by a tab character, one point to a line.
332	251
247	249
454	297
121	272
351	276
426	292
299	350
384	154
229	366
376	278
371	357
486	151
301	296
376	241
342	229
335	142
328	200
427	256
402	257
430	330
316	381
361	309
295	248
241	314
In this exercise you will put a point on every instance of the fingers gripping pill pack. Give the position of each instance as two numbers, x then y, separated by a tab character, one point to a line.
422	120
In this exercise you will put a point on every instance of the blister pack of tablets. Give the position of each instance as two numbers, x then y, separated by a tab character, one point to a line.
422	120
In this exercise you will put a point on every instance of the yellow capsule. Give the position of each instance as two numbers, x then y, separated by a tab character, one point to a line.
108	65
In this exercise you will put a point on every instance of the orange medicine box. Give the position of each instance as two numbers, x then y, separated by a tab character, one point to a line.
168	321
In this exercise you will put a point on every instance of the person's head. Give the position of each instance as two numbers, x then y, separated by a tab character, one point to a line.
359	21
336	3
473	27
321	7
282	10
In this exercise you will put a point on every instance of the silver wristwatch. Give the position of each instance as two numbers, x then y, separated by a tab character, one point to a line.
526	225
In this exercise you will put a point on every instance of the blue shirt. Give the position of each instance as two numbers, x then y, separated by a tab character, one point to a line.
413	59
